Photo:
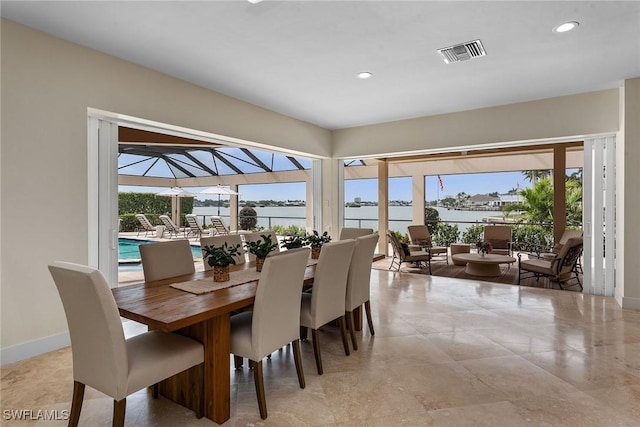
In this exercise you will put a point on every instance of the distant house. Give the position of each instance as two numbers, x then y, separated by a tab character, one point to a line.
506	199
481	200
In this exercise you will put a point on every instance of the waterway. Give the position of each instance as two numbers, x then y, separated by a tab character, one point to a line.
365	216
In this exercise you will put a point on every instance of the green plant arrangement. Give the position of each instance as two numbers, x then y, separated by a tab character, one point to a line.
293	242
220	258
261	248
315	242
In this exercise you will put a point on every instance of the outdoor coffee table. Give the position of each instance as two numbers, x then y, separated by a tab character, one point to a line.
483	265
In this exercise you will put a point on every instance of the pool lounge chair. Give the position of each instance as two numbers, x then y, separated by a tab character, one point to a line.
219	225
171	228
195	229
144	225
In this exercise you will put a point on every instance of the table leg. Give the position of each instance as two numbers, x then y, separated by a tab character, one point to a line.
217	377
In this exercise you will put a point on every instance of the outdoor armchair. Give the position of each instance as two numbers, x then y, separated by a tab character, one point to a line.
401	253
420	236
499	236
560	267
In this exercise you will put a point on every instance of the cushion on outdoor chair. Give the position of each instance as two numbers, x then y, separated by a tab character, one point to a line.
498	243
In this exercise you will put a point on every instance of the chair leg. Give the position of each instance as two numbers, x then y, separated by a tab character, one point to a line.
76	403
343	333
259	381
367	309
237	362
316	350
351	327
303	333
119	409
297	358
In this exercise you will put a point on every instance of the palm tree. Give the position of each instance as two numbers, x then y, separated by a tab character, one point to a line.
533	176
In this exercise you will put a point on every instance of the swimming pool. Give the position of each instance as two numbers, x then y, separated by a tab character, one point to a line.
128	252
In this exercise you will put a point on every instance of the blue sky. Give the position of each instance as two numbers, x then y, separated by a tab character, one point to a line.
367	189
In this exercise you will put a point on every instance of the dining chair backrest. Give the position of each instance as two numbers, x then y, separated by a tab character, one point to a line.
419	235
254	237
360	272
161	260
276	308
352	233
330	282
97	339
230	239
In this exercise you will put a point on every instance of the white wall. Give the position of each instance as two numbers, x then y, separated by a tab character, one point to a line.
47	86
567	116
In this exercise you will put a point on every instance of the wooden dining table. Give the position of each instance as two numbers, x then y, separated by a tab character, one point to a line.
205	317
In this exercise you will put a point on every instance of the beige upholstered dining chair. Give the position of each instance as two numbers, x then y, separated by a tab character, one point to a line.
325	303
403	254
102	358
352	233
420	236
358	282
275	319
162	260
229	239
252	237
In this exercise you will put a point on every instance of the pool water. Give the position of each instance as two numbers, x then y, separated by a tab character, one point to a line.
128	249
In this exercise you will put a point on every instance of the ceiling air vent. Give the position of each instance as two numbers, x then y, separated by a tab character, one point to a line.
462	52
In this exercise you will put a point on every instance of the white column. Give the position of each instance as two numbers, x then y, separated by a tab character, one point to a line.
418	196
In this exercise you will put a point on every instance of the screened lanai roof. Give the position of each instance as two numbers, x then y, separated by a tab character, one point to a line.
149	154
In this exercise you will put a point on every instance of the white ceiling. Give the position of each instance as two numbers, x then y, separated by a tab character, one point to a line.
300	58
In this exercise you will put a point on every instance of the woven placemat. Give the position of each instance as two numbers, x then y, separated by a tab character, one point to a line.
202	286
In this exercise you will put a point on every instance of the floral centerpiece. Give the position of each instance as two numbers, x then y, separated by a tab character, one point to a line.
261	248
484	248
220	258
315	242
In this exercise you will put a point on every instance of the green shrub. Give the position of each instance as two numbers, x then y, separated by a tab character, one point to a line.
289	230
431	219
473	234
445	234
531	238
150	203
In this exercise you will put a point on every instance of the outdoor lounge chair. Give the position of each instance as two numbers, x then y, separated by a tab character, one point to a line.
219	226
401	253
420	236
171	228
500	238
195	229
558	267
144	225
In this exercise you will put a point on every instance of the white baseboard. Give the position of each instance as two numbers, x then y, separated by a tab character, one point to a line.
18	352
631	303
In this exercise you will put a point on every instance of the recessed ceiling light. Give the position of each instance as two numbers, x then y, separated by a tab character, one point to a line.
254	1
365	75
567	26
